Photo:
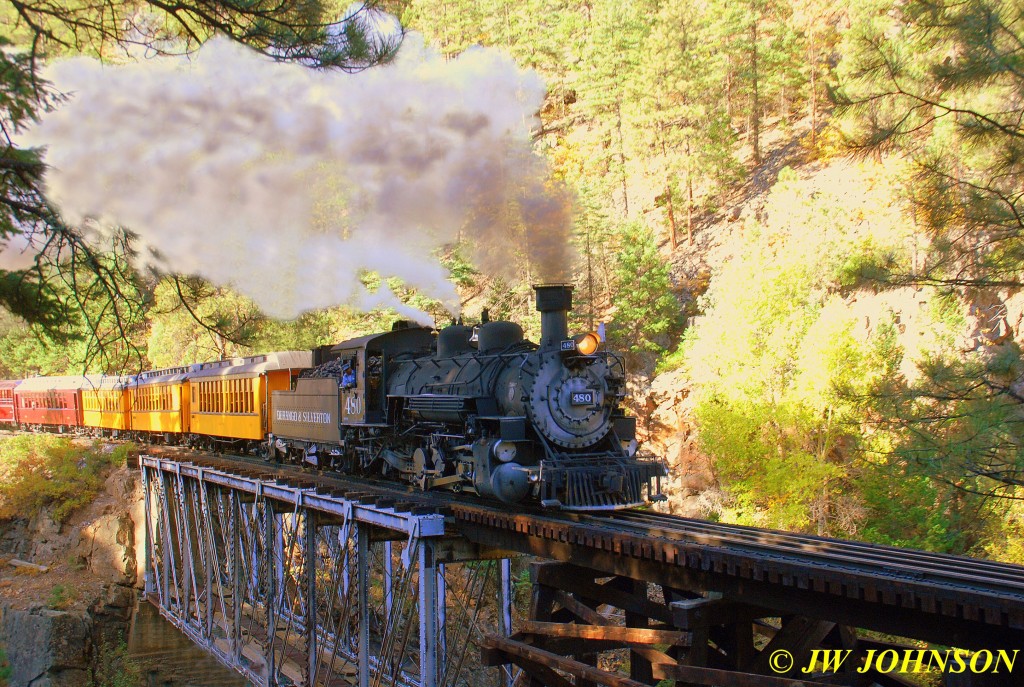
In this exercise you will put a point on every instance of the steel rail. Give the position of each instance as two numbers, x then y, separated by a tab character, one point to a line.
918	565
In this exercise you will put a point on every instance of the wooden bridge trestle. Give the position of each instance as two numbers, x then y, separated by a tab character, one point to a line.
292	582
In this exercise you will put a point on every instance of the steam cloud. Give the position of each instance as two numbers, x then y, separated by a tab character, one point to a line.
286	182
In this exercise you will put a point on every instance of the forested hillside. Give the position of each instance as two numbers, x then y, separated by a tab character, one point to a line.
801	218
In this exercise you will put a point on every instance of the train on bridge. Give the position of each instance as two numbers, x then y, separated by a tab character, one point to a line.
477	409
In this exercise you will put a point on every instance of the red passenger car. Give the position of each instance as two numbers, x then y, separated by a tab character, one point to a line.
54	402
7	401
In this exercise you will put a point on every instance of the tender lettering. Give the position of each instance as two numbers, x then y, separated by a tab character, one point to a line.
304	416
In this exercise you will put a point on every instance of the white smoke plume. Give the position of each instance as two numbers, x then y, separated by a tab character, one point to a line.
286	183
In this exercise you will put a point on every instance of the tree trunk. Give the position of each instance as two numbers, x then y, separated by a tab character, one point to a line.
689	194
689	210
814	95
622	156
590	276
673	237
755	105
671	213
728	88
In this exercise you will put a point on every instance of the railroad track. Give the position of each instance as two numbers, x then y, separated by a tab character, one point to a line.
992	576
947	599
1003	579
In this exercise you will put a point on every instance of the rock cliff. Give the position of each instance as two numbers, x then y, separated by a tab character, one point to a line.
56	617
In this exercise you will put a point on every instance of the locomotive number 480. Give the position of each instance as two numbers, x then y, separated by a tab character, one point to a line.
582	398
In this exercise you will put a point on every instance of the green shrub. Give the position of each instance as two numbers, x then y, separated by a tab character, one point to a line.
114	668
5	668
61	597
44	471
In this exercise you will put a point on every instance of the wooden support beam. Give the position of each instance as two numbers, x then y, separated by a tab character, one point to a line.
581	582
543	674
736	643
579	609
495	647
612	633
704	612
580	640
589	615
797	636
639	667
518	652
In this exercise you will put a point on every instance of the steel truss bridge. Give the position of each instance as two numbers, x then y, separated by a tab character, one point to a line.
299	581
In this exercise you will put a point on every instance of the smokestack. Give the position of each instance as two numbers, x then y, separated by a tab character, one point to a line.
554	302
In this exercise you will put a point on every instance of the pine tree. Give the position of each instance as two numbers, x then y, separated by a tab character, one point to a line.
646	312
681	114
816	22
757	40
61	281
451	26
940	83
612	53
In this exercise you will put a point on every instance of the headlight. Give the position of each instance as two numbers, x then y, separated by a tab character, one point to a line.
587	344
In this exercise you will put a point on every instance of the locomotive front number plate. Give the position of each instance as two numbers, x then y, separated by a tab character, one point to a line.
569	345
583	398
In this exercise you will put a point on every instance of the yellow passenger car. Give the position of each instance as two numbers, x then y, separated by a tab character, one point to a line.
159	402
105	404
231	399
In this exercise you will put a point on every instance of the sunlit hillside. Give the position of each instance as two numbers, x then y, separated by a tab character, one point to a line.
809	393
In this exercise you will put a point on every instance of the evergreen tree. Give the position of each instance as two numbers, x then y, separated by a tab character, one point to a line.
940	83
450	25
681	114
546	35
757	39
228	324
50	275
593	237
647	315
616	33
816	21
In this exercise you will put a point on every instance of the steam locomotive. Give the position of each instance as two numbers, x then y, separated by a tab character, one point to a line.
479	409
468	409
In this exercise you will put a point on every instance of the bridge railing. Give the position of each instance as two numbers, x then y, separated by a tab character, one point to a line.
293	585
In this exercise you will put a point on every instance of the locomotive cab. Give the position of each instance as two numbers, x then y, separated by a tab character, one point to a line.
352	387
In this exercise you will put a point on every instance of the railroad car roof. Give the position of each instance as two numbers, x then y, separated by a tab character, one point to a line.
110	382
65	383
254	364
410	337
168	375
9	383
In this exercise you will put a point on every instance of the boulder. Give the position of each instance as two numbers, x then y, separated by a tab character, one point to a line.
106	547
45	537
664	409
112	615
46	647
